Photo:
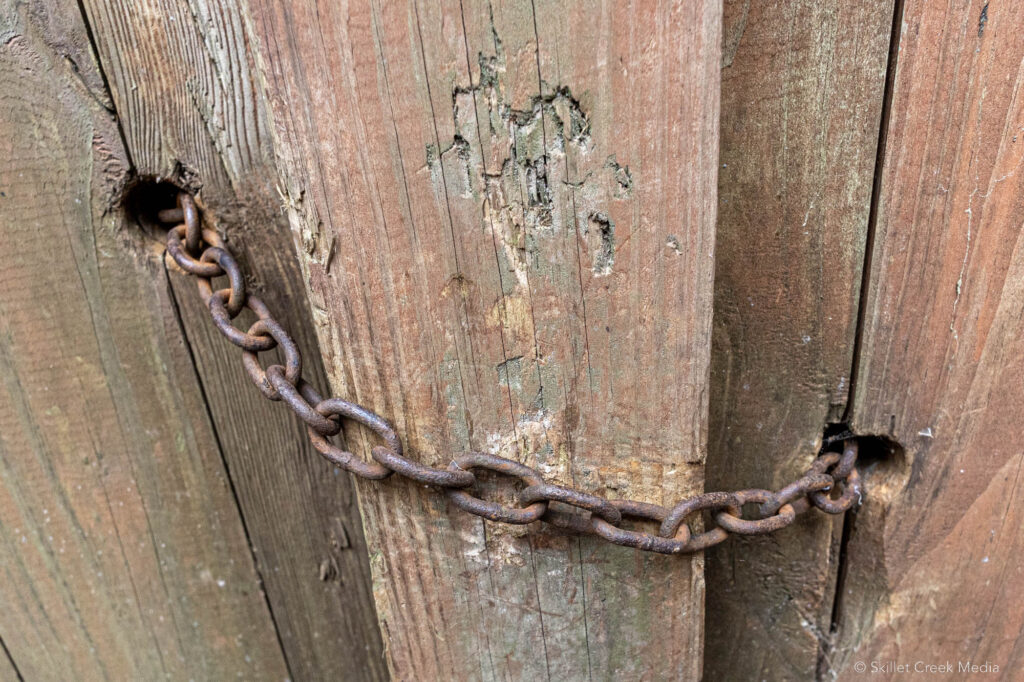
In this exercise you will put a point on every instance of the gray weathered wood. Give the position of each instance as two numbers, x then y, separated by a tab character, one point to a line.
181	78
8	669
802	91
122	553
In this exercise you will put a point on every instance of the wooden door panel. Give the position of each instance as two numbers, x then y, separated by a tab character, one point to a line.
498	219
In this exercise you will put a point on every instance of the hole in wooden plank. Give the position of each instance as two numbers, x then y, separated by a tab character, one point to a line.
882	461
144	198
884	467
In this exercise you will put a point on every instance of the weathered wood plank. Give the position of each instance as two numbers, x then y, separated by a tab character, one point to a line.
123	555
181	78
622	95
802	91
8	669
934	569
509	248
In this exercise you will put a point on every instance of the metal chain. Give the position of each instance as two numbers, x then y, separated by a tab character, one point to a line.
202	253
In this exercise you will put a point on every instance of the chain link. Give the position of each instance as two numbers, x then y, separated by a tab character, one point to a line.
203	254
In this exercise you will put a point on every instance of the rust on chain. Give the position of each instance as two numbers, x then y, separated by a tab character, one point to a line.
492	510
831	484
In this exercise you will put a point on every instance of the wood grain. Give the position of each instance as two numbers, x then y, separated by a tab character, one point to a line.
934	568
181	78
8	670
123	554
507	233
802	91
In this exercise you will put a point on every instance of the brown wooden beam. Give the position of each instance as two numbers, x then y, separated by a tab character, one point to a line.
507	214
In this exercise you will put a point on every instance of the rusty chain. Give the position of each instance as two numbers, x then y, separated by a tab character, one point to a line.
202	253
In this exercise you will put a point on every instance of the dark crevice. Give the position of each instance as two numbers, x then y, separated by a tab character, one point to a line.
824	670
180	322
10	659
876	190
871	448
143	198
106	85
884	471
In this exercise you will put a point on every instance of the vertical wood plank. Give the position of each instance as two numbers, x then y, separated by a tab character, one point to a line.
620	93
182	81
511	250
935	552
123	555
802	92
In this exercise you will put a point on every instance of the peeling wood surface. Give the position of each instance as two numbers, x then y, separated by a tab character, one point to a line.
507	229
182	80
122	553
934	568
802	90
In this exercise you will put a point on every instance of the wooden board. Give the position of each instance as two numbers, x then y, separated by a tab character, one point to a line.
802	91
933	570
508	241
122	553
181	79
8	669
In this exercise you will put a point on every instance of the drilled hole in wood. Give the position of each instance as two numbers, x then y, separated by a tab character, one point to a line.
882	461
144	198
884	467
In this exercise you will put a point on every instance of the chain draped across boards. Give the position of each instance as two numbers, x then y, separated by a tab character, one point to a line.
203	254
